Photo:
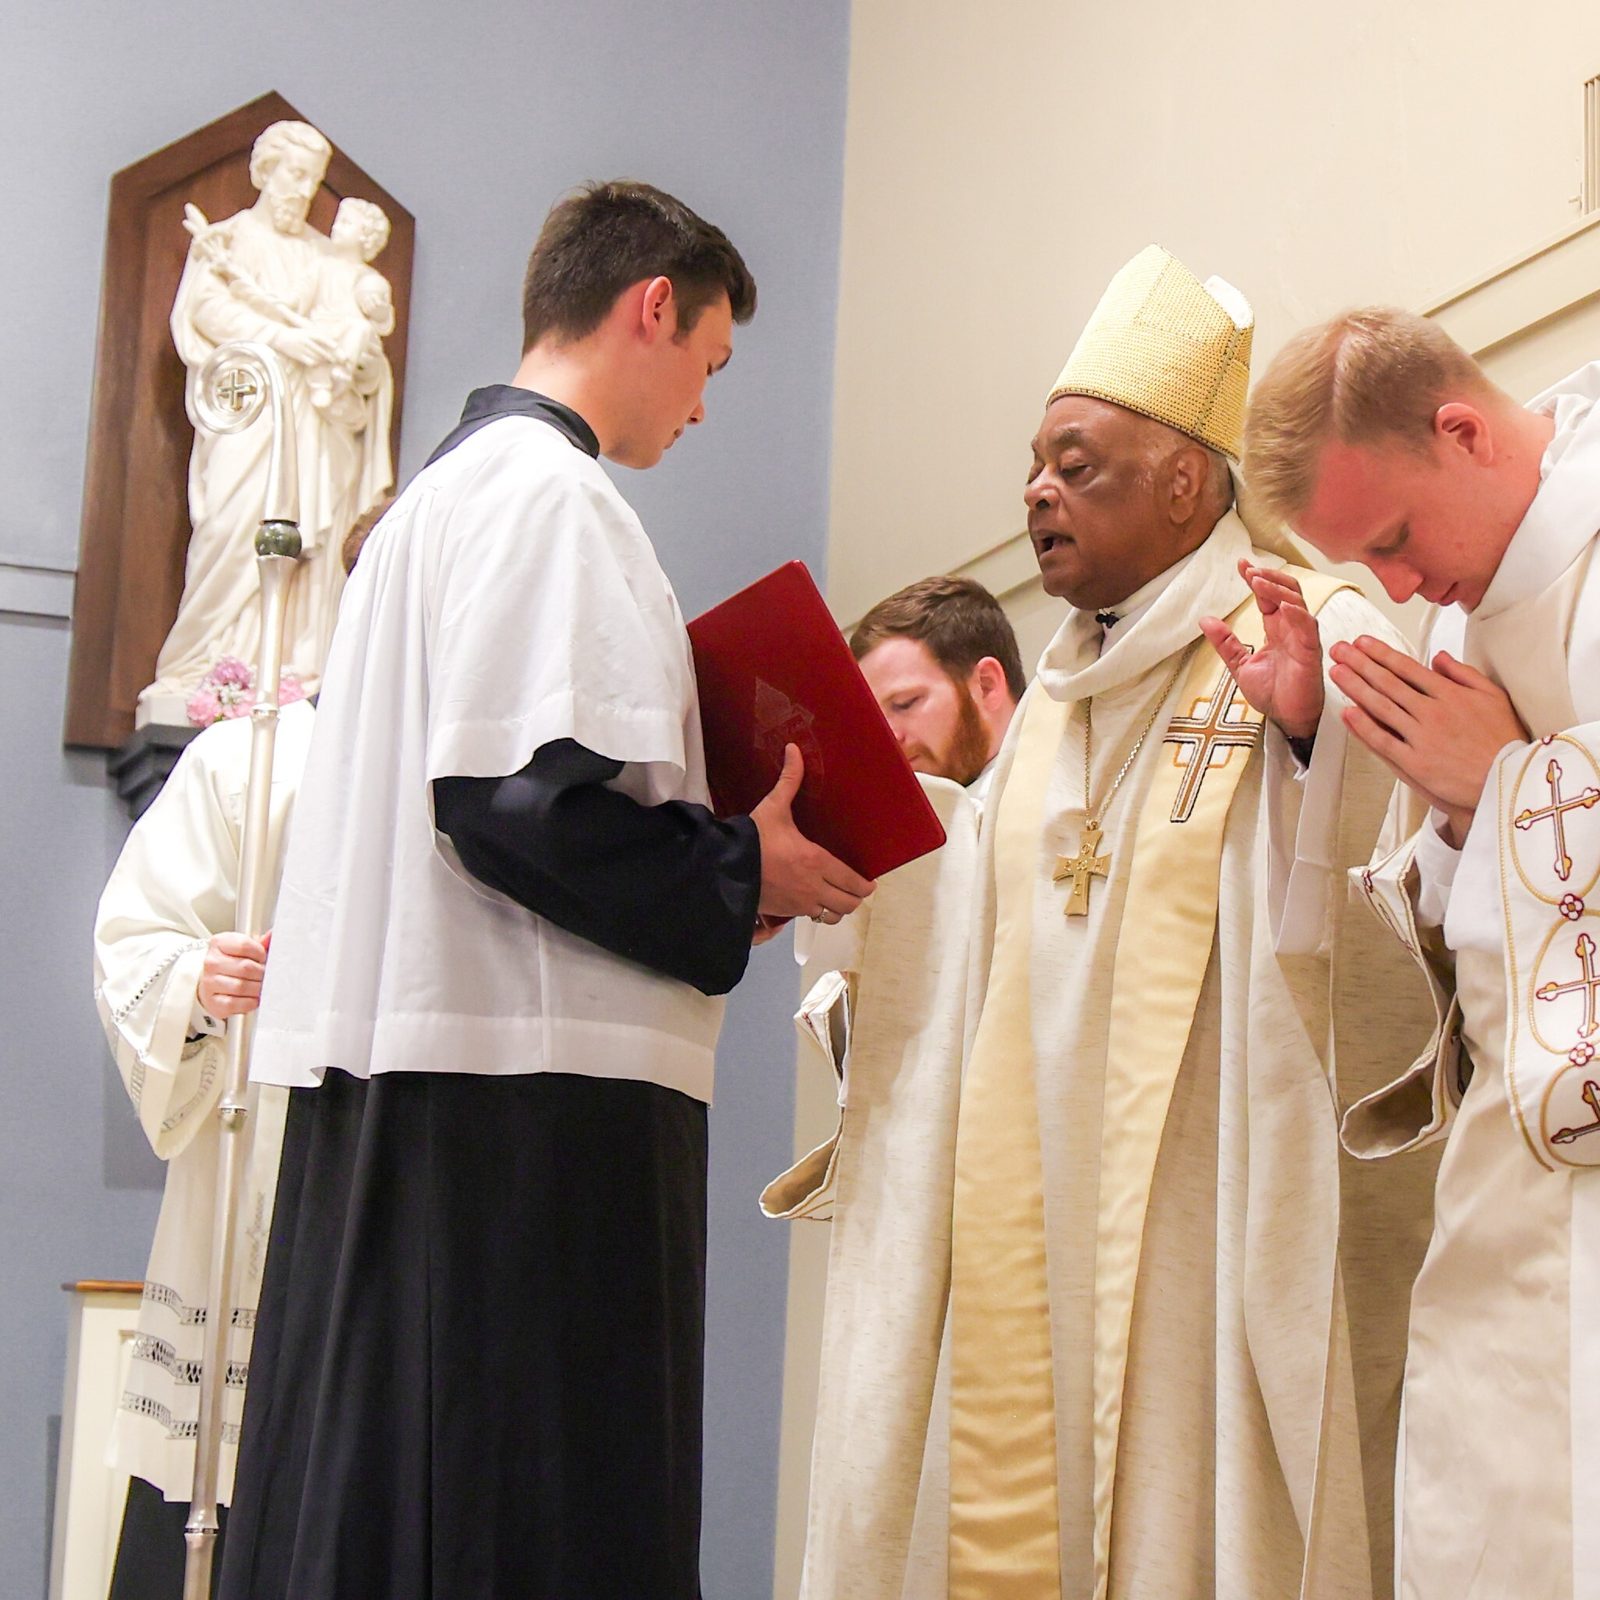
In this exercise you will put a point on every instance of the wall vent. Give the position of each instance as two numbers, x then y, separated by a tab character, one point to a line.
1591	145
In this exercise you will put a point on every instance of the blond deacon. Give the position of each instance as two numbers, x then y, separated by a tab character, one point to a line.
1377	373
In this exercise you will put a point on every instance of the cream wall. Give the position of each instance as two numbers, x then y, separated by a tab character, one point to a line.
1002	161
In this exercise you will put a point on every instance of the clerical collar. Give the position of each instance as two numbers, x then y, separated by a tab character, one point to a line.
1142	598
506	400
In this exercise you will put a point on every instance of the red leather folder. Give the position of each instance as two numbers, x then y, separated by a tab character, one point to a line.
774	670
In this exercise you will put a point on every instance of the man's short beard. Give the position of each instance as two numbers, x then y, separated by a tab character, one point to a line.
288	215
968	753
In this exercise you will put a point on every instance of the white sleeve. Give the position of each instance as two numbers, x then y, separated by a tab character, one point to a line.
171	889
1468	898
551	621
1303	802
1437	862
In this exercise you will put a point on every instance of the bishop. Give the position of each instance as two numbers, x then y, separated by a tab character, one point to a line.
1150	1338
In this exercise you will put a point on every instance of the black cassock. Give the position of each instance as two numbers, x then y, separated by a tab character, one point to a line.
477	1370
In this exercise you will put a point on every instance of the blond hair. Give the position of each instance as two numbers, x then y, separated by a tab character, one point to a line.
1370	374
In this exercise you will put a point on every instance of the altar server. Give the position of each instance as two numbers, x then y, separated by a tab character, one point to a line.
505	926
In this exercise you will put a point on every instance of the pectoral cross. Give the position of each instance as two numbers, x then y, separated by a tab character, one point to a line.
1206	730
1081	868
1556	812
236	388
1587	985
1591	1095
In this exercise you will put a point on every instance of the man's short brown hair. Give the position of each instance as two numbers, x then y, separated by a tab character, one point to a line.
958	620
350	550
597	242
1377	373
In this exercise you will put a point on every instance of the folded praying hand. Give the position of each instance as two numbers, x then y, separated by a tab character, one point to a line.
1437	727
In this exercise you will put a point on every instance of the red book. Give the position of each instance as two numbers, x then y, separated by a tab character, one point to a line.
774	670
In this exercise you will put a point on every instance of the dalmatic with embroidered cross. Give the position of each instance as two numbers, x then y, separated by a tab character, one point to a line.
1500	1479
1176	1315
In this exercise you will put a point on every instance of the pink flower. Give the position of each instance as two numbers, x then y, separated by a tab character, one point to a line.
227	690
1581	1054
203	707
230	670
1571	907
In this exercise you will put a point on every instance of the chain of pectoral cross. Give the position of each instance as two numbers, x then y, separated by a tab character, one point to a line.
1088	863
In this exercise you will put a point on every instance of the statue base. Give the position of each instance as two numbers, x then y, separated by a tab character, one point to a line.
161	708
145	762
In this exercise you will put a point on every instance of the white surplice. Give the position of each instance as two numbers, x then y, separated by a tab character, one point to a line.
1260	1404
1500	1456
172	888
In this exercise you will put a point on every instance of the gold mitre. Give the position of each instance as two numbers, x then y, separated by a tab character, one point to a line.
1170	347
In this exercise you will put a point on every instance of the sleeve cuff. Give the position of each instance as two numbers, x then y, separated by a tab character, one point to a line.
1437	863
201	1022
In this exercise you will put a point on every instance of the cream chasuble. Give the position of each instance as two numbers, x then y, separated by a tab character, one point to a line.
1175	1322
1500	1476
173	887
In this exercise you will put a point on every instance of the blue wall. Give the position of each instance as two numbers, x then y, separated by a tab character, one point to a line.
477	116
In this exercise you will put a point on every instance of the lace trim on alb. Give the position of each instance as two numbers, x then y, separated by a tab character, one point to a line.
193	1316
141	1405
125	1010
146	1347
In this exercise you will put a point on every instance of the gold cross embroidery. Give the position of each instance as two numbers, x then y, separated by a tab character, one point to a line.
1587	985
1591	1096
1081	868
1206	730
1555	812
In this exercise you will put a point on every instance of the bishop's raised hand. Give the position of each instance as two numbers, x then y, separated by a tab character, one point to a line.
1283	679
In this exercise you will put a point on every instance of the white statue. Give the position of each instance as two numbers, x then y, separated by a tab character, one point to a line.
264	275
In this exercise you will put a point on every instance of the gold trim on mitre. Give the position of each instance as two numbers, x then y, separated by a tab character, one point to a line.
1169	347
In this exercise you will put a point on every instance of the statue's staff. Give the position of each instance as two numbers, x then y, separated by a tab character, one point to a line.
228	393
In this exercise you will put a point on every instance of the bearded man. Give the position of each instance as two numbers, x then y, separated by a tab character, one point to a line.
942	660
1389	445
1150	1342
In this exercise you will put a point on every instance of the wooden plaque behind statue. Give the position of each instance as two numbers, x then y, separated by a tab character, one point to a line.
135	512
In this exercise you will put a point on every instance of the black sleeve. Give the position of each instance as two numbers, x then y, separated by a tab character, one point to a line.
669	886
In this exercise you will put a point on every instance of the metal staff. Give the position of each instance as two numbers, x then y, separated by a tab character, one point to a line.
229	392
